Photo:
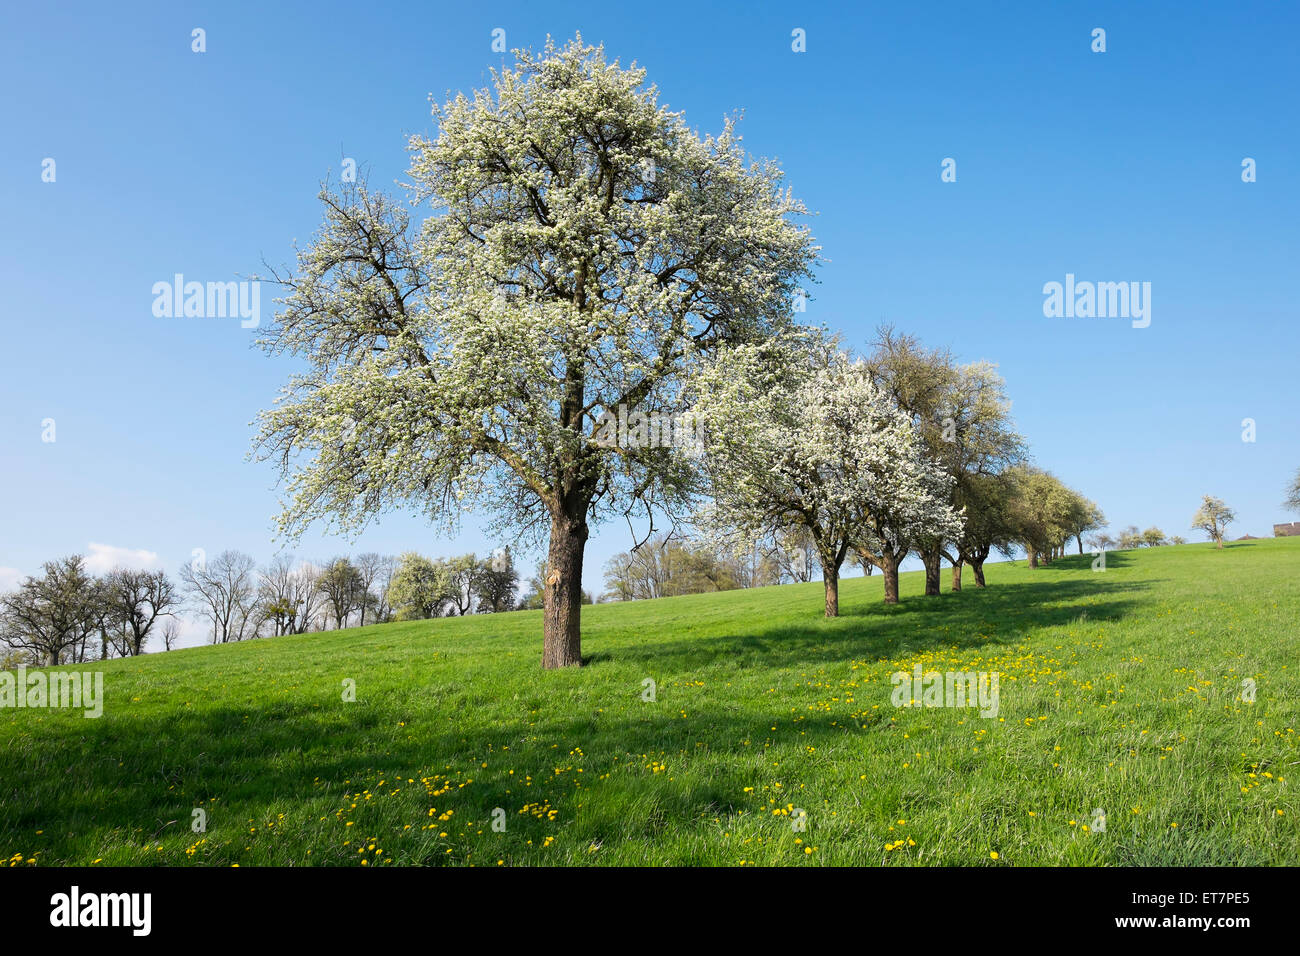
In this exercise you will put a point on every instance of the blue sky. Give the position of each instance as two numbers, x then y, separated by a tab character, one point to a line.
1115	166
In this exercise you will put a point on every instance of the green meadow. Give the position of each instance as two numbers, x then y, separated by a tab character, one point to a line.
1126	733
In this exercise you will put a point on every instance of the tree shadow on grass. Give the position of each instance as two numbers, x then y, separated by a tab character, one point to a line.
1003	614
1083	562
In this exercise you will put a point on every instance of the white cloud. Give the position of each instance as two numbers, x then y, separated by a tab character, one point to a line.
193	633
9	578
102	558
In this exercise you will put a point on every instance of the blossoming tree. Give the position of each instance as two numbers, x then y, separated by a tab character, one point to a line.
583	249
797	435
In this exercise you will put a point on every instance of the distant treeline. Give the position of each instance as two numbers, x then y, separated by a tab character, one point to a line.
67	615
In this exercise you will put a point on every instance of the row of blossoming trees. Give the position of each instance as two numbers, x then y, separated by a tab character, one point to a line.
584	252
900	452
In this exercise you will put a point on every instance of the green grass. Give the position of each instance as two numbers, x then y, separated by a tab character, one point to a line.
1120	690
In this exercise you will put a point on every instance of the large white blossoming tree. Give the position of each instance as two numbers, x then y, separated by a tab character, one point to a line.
583	249
798	436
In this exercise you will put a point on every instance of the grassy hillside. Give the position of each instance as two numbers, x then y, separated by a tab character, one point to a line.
1120	690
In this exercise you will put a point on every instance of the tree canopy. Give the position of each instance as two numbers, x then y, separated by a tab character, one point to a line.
583	249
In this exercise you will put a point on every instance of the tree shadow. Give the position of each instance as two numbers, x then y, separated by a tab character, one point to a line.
973	617
1083	562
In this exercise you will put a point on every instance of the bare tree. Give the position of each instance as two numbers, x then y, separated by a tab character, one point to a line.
311	600
618	579
1103	541
383	589
109	622
138	599
224	592
278	599
370	568
171	632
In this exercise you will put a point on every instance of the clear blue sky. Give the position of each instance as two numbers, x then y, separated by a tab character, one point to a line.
1115	166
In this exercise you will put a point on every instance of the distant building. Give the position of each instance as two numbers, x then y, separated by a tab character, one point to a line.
1248	537
1286	530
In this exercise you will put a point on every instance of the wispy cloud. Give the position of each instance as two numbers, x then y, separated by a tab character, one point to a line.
101	558
9	578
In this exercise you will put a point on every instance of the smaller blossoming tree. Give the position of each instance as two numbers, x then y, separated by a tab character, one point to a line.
798	436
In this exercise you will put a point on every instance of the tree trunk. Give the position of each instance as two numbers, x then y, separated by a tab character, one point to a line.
978	568
562	599
1032	552
956	575
831	578
889	567
1080	539
932	567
